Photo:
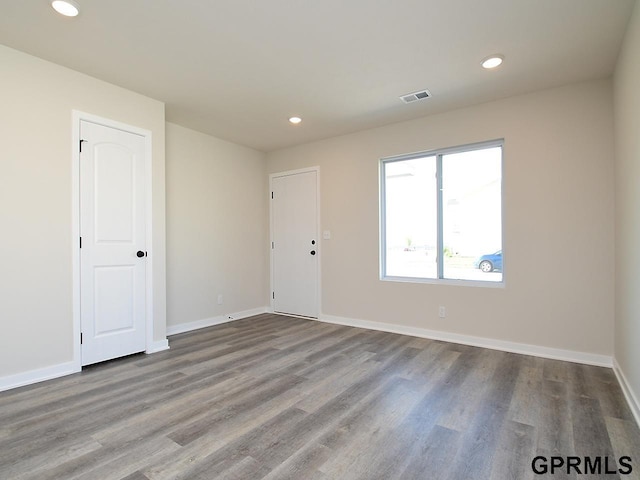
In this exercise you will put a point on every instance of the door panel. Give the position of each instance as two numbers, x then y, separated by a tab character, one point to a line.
112	226
114	196
295	244
113	306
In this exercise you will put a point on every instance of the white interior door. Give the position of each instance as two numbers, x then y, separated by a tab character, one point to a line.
112	253
295	244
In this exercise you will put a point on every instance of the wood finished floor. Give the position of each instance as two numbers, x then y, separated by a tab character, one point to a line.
273	397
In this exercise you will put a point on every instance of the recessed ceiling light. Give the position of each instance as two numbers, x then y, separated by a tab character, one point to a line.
493	61
295	120
68	8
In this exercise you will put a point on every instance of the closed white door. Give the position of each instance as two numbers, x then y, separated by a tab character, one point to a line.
295	244
112	253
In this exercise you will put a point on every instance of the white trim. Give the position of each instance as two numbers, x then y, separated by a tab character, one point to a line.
293	315
152	346
513	347
446	281
629	394
38	375
210	322
76	117
158	346
75	236
320	245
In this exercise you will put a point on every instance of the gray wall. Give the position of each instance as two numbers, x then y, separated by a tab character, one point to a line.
627	246
558	221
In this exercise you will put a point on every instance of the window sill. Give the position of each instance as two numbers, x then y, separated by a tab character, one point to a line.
446	281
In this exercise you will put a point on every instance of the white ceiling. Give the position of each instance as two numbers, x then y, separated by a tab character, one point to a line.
238	69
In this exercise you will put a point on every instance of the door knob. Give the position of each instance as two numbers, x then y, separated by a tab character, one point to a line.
140	254
313	252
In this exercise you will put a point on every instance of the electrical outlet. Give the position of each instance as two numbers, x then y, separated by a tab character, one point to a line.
220	299
442	312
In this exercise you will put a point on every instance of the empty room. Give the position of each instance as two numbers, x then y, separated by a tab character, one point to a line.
319	240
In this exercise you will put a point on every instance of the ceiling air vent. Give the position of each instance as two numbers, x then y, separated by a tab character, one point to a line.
415	96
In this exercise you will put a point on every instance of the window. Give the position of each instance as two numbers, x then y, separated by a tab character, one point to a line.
441	214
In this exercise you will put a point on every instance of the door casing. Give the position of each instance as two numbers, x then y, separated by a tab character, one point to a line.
77	117
315	169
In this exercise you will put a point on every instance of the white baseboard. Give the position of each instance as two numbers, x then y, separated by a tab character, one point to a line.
210	322
55	371
38	375
629	394
48	373
513	347
158	346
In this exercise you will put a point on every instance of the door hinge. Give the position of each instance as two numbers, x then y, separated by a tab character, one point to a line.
80	338
80	242
81	145
271	195
272	245
273	295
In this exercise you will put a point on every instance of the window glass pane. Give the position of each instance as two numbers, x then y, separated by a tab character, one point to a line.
472	215
411	218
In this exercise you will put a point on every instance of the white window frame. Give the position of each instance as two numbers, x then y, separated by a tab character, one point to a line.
438	153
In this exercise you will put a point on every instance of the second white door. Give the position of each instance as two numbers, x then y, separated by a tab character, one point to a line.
295	243
113	243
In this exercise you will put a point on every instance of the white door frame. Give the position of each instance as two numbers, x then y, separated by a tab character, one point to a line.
77	117
320	244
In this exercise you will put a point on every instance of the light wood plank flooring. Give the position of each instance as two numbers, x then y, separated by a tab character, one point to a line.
272	397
